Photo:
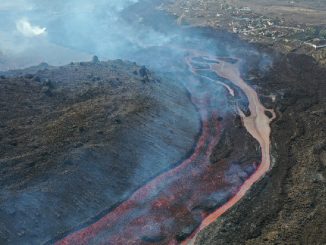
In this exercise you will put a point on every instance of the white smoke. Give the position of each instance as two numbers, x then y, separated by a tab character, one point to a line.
28	30
15	5
72	29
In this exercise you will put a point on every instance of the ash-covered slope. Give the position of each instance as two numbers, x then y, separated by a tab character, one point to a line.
77	140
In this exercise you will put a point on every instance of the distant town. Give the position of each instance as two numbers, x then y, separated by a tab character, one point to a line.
252	26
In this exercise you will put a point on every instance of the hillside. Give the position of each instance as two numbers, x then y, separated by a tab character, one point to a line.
77	140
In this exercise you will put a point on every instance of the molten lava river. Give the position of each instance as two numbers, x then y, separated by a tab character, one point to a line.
175	206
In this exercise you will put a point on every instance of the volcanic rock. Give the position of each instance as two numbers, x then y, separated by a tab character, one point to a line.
152	233
186	232
95	59
71	147
287	206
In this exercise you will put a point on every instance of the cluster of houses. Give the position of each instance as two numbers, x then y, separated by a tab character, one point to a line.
249	24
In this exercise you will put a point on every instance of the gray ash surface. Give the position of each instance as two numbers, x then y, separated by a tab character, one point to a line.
77	140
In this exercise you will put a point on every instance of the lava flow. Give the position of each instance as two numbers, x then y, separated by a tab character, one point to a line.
257	124
175	206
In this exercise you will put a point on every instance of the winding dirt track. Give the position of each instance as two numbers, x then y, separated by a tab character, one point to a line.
169	197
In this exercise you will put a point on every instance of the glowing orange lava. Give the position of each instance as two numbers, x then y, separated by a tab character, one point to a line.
257	124
173	206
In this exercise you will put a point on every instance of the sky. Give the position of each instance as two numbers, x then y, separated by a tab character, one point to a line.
58	32
62	31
